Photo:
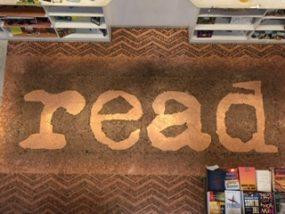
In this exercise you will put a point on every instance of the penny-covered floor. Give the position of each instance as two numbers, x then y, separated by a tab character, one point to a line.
128	127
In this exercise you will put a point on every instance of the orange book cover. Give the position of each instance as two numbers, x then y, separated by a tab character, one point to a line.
247	178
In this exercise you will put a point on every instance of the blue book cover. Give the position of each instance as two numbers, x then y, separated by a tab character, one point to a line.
216	180
251	202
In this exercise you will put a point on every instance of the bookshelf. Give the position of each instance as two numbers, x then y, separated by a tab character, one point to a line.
219	25
249	4
44	20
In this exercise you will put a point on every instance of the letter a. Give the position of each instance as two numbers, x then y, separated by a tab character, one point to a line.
72	101
96	119
192	136
257	143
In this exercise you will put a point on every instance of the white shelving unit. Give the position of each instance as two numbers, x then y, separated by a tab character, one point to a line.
82	3
79	24
249	4
216	25
69	21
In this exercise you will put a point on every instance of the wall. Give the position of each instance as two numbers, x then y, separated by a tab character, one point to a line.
147	13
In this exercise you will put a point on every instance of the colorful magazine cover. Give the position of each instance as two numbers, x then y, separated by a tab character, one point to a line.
266	201
232	179
247	177
216	202
279	179
251	202
233	204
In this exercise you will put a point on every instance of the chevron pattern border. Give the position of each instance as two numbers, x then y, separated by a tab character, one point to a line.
36	193
151	42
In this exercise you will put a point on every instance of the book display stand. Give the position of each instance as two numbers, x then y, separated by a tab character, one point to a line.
245	190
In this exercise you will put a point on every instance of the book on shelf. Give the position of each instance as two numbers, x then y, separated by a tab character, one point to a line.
39	22
233	202
204	33
65	32
32	32
266	203
75	1
216	179
28	2
279	180
232	179
263	180
74	18
251	203
276	13
247	177
280	202
274	35
241	20
53	1
216	202
206	20
104	32
15	31
223	20
96	20
63	18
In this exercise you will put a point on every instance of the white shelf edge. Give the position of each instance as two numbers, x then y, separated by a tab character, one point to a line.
52	14
273	17
78	25
270	28
83	3
195	40
217	38
105	39
224	27
235	4
87	36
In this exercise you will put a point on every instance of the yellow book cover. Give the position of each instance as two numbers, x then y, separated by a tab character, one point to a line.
74	18
16	30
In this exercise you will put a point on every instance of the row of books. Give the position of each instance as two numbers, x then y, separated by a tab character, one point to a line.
276	13
246	179
32	32
239	202
225	20
276	35
40	22
245	190
28	2
95	20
